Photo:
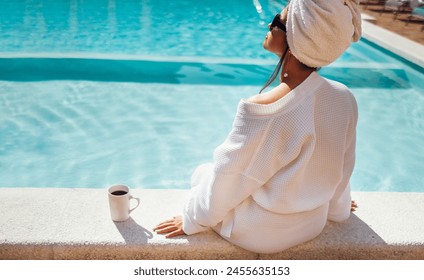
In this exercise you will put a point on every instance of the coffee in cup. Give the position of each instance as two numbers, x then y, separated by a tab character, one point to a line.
119	202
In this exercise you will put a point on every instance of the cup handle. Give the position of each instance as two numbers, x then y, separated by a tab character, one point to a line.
138	202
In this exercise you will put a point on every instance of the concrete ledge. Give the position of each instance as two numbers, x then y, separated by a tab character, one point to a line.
402	46
368	18
75	224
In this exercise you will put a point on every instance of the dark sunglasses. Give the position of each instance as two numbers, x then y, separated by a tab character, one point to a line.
276	22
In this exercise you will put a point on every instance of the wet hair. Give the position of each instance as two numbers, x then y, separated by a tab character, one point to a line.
275	72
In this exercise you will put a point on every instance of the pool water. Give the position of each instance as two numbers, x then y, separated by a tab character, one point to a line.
90	134
94	93
217	28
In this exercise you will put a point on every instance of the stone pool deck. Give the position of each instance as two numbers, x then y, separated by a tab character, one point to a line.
53	223
402	46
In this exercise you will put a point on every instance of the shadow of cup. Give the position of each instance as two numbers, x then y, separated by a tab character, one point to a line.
132	232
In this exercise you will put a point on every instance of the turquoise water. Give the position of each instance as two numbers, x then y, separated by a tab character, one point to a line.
217	28
94	93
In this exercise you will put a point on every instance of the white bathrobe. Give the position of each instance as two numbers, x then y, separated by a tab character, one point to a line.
283	170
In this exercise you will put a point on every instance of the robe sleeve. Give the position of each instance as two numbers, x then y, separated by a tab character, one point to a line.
213	196
220	186
340	203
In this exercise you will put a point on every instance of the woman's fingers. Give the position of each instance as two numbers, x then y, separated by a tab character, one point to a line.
171	230
165	229
353	206
163	225
175	233
167	222
172	227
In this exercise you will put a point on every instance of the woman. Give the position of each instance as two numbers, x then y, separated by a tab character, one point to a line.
284	169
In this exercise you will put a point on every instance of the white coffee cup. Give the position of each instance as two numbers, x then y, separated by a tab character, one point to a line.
119	202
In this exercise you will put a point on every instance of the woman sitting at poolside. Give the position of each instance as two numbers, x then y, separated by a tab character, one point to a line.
284	169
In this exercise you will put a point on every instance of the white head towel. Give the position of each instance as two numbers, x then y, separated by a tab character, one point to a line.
319	31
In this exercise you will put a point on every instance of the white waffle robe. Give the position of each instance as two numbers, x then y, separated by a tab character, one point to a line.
283	170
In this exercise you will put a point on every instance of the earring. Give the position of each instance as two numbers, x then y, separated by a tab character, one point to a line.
285	75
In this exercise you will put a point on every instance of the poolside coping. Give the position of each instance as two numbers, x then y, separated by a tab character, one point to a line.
395	43
51	223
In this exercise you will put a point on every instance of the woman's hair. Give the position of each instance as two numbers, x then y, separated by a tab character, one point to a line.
275	73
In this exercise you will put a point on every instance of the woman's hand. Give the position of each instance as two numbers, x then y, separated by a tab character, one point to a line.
172	227
353	206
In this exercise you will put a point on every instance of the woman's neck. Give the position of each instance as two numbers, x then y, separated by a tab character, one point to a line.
294	72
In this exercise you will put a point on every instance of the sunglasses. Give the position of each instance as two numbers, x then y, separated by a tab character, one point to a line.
276	22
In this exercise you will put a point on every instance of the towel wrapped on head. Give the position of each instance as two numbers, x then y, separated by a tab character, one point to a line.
319	31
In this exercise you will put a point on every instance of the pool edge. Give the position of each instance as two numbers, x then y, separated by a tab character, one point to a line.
404	47
50	223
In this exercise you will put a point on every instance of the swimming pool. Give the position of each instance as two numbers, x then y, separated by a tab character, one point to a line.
102	98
